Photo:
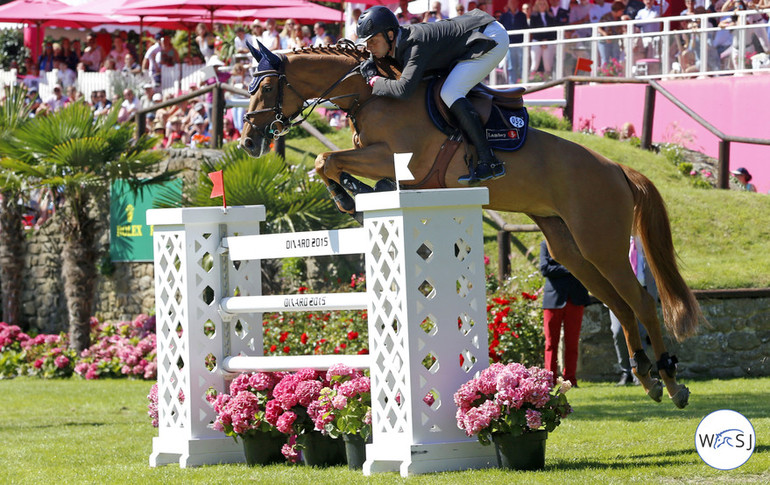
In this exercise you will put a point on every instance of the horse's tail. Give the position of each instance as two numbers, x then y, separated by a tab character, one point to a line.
681	312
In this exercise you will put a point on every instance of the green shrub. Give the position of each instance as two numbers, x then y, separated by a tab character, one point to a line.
12	49
540	118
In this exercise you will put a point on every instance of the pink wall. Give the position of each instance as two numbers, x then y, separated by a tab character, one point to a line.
738	106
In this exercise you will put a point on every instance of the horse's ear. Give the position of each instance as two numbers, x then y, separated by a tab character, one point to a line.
273	59
254	52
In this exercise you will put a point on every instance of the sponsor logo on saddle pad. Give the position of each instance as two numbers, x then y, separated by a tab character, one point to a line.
502	134
725	439
516	121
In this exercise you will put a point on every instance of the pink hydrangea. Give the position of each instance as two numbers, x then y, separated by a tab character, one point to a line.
61	361
285	422
534	419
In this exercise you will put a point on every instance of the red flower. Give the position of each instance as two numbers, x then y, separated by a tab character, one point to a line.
283	337
303	338
273	348
363	351
343	345
352	335
501	301
286	349
302	289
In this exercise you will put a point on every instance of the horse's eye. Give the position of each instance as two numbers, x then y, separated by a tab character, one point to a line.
267	89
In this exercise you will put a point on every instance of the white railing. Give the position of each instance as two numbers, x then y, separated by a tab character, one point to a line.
657	60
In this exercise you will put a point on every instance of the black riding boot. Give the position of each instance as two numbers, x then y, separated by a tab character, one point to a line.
488	166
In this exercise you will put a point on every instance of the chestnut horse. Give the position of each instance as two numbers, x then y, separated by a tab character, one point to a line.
586	205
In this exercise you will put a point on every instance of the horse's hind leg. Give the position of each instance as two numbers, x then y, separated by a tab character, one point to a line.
564	249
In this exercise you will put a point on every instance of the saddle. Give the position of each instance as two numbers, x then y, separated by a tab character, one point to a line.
502	112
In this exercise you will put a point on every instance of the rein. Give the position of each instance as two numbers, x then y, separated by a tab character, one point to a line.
289	122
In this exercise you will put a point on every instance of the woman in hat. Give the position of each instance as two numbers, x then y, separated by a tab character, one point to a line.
744	177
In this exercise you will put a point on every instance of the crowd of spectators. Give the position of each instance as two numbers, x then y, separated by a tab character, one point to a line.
188	124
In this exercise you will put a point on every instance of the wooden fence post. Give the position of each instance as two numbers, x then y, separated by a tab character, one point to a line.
503	255
649	116
723	181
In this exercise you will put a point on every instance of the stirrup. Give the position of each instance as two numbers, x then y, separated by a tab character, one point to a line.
498	170
668	363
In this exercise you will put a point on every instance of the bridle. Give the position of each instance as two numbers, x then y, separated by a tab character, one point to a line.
288	122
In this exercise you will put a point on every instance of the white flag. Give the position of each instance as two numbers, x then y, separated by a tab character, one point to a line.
401	161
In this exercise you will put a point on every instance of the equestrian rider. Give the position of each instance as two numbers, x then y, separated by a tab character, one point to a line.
469	46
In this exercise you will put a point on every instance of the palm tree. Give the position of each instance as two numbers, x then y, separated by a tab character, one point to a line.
14	112
78	157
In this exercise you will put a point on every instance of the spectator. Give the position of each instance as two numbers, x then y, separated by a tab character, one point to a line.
434	14
307	35
237	75
57	100
200	133
257	29
103	105
146	99
648	47
159	130
632	7
513	19
564	299
175	132
33	100
645	278
58	55
320	34
92	55
297	39
579	13
459	9
350	25
168	54
229	131
119	52
402	13
560	15
744	178
108	65
73	95
610	49
130	66
541	17
271	36
752	35
599	10
70	55
129	106
66	76
239	41
285	34
206	41
152	60
46	62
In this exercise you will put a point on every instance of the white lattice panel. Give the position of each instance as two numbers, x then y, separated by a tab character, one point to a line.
427	325
191	276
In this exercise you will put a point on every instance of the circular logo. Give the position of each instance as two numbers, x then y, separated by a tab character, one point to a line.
725	439
516	121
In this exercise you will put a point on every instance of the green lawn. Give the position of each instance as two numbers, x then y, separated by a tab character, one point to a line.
722	237
75	431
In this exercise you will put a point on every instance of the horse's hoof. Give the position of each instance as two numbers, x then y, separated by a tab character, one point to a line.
385	185
682	397
656	391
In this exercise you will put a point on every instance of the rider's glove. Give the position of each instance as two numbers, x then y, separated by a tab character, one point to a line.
369	71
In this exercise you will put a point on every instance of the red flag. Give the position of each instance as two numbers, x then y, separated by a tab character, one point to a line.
583	64
218	188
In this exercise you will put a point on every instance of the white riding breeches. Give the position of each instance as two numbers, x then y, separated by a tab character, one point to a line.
469	73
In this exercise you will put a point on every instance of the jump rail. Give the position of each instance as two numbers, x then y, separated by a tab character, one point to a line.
425	302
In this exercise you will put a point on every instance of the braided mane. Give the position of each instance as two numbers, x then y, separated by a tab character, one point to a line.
347	48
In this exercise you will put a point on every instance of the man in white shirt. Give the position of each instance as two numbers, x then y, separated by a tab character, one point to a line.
129	106
649	47
151	62
270	35
320	38
57	100
66	76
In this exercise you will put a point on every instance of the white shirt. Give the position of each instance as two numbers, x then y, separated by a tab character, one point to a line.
67	77
598	11
647	14
270	39
153	56
56	104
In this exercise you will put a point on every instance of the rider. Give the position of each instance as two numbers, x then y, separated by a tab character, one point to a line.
469	46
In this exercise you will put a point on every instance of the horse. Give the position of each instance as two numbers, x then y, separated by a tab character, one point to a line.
586	205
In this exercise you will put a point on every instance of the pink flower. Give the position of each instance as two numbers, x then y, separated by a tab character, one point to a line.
429	399
284	423
339	402
61	361
534	419
38	363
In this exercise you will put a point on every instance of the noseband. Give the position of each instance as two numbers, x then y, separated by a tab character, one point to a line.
287	122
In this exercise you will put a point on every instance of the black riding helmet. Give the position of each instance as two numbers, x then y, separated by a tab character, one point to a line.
375	20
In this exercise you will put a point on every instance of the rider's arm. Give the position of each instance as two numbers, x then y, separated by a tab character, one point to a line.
407	84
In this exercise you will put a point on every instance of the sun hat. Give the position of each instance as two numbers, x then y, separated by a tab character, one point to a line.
741	171
157	97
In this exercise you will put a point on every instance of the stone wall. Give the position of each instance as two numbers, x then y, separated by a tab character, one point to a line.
735	344
123	292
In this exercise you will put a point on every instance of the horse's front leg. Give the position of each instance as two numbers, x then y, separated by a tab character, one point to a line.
374	161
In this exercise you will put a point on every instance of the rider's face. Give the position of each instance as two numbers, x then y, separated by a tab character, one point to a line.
378	46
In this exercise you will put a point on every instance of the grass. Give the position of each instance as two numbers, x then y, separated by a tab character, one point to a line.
722	237
75	431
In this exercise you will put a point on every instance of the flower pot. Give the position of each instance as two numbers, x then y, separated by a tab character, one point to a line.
355	450
321	450
523	452
263	448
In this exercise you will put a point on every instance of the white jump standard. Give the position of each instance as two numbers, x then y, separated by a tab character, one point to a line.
425	298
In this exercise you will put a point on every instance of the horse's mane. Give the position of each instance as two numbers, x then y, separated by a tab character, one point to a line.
349	49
